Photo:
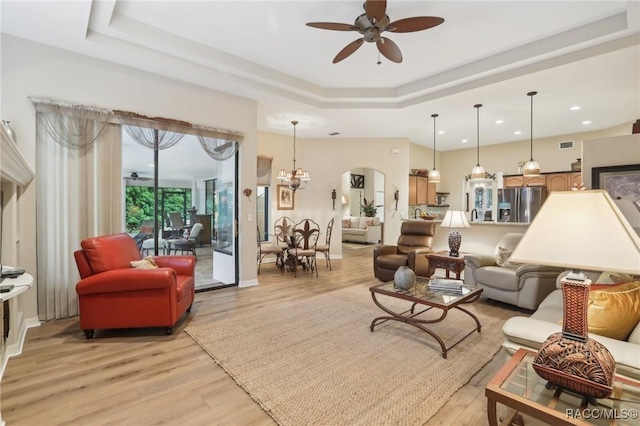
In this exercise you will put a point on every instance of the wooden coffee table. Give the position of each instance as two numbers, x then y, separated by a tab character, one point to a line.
420	294
441	259
519	387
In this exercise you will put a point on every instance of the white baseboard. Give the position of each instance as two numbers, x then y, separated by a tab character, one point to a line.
16	348
248	283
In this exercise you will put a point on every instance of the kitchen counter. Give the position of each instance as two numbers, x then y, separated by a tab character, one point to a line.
480	237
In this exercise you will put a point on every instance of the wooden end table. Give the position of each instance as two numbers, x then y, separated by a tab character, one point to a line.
441	259
523	391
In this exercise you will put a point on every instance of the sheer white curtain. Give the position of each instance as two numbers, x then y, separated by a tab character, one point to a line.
79	195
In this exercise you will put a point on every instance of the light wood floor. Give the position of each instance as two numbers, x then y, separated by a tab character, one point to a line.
142	377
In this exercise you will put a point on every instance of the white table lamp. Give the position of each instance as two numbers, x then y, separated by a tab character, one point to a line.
454	219
578	230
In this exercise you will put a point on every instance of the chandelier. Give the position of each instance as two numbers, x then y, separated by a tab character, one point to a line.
296	178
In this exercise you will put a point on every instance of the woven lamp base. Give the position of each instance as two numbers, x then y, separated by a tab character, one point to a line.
571	359
454	243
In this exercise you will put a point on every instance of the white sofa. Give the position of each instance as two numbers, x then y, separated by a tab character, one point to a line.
361	229
531	332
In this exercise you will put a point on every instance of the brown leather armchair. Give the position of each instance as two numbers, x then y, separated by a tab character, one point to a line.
416	238
112	294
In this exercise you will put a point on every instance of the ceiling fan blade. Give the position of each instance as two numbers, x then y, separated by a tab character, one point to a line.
418	23
375	9
348	50
332	26
389	50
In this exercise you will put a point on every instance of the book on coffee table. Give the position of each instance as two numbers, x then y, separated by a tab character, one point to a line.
443	284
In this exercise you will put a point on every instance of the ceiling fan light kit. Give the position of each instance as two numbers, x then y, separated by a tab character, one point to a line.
372	24
531	168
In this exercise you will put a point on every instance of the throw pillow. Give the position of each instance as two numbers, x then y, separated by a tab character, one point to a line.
146	263
371	222
346	223
608	277
503	258
614	312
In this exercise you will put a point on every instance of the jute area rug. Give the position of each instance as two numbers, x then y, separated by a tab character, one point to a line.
316	362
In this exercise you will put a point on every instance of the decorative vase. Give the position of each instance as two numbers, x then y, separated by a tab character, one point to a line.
571	359
404	278
9	130
577	166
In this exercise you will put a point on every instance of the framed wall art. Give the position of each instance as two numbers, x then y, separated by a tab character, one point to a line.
621	182
357	181
285	196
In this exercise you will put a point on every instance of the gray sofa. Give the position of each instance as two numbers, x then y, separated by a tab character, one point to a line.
524	285
531	332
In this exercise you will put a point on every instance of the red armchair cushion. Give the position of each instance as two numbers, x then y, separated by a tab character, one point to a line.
110	252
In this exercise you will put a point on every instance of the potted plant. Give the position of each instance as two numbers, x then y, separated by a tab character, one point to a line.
369	208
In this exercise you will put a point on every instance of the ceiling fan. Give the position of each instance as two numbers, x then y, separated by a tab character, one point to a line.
372	24
135	176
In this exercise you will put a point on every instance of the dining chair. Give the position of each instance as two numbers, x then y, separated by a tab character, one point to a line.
272	249
326	247
283	230
305	236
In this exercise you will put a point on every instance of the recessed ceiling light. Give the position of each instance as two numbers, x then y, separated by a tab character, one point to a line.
465	140
586	122
517	132
575	107
499	121
151	165
441	132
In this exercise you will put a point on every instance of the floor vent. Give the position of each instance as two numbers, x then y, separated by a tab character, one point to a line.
566	145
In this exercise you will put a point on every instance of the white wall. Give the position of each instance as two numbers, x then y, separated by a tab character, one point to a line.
613	151
327	160
31	69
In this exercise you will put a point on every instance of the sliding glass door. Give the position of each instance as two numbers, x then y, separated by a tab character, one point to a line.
187	179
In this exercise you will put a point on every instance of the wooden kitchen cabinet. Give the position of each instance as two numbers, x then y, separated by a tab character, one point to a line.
563	181
421	192
557	182
519	181
575	179
513	181
535	181
431	194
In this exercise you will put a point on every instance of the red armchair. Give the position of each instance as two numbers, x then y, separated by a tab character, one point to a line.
112	294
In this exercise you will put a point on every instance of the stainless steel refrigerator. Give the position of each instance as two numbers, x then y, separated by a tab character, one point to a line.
520	204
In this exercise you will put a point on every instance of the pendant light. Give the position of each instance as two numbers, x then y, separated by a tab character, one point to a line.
531	168
434	175
478	171
296	178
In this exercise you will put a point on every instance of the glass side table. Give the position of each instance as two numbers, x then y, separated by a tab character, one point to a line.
519	387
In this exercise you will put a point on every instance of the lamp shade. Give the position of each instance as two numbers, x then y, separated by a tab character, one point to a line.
580	230
454	219
344	200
